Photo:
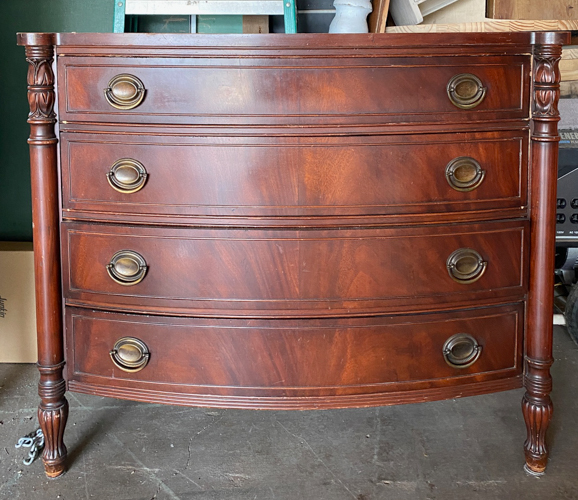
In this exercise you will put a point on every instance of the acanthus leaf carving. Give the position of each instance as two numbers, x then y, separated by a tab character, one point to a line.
546	84
41	89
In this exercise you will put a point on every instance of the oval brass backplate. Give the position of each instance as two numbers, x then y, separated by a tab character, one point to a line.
464	173
466	91
130	354
127	175
461	350
124	91
465	265
127	267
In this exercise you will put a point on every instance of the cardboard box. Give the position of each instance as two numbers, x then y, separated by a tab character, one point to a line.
17	307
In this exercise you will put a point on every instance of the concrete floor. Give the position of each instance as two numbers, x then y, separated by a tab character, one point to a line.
459	449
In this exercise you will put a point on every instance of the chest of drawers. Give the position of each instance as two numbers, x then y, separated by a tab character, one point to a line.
293	222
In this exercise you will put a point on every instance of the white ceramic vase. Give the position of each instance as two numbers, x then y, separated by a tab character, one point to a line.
350	16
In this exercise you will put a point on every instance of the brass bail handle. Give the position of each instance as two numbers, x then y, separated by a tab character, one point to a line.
124	91
466	91
465	265
464	173
461	350
130	354
127	267
127	175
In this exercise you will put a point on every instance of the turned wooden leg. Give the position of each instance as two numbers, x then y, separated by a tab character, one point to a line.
536	404
537	409
52	416
53	409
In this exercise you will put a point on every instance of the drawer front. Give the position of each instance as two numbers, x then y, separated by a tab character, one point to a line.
292	272
293	358
290	91
248	177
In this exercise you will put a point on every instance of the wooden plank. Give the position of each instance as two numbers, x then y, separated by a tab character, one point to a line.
570	52
569	63
533	9
569	90
487	26
378	16
569	69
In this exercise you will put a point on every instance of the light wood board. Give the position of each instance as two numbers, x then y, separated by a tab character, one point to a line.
378	16
491	25
533	9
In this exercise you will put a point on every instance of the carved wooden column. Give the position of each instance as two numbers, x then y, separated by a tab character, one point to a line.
53	409
536	404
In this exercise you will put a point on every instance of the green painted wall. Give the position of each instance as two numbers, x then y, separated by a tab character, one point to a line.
30	15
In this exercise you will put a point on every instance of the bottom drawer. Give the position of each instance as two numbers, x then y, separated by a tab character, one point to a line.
303	363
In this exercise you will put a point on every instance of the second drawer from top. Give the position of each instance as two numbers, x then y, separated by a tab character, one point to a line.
437	175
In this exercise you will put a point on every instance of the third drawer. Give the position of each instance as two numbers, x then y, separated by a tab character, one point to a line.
263	273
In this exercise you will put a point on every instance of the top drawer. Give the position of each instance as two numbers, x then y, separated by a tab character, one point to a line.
311	91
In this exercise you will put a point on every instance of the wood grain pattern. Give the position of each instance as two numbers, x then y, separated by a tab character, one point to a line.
323	91
378	16
489	26
53	408
249	177
569	65
537	405
295	358
311	272
296	223
530	9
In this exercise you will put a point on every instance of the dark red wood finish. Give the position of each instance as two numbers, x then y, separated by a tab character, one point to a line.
229	272
296	220
283	361
53	409
537	405
200	177
322	91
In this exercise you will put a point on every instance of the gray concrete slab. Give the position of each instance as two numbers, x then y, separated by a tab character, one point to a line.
458	449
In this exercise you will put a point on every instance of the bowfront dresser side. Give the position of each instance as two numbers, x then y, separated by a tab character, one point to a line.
293	222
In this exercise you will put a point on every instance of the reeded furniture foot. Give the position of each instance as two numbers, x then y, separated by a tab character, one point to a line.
537	414
53	423
53	410
536	404
52	416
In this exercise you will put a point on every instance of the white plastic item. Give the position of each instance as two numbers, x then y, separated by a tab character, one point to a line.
350	16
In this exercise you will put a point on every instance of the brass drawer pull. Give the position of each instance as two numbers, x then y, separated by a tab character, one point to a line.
130	354
466	91
464	173
127	267
461	350
124	92
127	175
466	265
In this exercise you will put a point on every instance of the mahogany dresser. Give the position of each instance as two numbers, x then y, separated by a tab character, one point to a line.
293	221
